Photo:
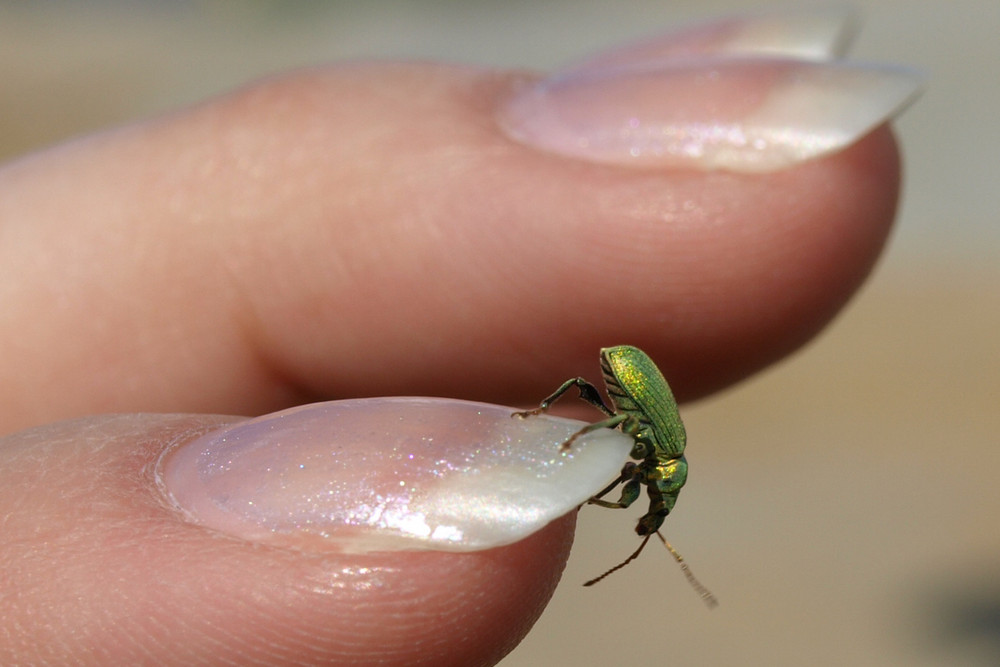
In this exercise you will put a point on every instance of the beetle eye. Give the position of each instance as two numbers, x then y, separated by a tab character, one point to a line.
641	450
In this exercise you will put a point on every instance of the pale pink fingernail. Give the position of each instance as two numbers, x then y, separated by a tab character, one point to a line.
389	473
811	34
741	114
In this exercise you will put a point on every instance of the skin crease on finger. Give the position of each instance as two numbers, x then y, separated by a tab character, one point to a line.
367	230
102	571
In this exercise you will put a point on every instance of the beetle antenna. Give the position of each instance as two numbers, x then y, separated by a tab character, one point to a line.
705	594
700	588
622	564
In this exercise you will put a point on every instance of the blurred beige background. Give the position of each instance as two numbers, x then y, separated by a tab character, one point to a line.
844	506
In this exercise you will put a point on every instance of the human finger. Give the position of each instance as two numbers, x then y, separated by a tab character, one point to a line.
113	553
384	229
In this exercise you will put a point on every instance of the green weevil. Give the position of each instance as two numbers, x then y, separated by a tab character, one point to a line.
646	412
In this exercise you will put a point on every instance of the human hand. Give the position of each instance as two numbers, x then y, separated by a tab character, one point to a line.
371	230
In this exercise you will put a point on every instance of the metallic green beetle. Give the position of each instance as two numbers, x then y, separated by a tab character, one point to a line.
647	412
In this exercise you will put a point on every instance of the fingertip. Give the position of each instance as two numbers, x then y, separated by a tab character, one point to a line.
717	274
102	565
780	264
485	268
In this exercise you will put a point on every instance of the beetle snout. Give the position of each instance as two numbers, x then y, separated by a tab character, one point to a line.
649	523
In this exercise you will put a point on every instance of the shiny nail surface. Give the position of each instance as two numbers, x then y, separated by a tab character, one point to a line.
740	114
389	473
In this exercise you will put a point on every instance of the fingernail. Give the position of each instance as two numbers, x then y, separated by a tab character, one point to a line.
812	34
389	473
743	115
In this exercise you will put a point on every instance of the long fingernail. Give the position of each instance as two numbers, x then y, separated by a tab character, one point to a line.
812	34
743	114
389	473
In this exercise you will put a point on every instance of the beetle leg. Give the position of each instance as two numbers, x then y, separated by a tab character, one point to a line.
627	473
588	393
596	426
630	489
